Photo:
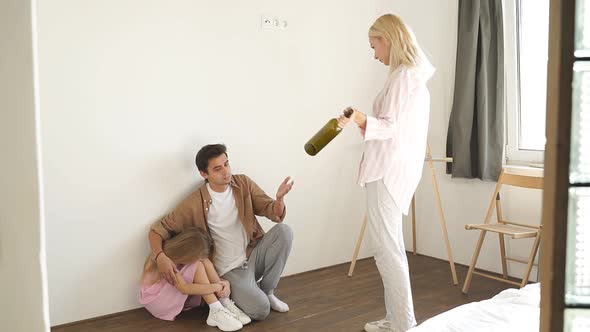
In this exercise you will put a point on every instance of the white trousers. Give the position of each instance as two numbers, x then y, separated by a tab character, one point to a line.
385	226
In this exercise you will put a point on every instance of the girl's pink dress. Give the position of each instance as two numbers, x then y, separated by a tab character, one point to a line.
163	300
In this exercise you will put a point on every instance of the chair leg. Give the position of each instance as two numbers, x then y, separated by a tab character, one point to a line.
503	256
467	283
534	250
358	247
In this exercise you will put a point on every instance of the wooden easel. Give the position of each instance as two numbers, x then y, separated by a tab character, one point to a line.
430	161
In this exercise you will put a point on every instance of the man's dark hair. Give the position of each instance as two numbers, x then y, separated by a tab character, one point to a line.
207	153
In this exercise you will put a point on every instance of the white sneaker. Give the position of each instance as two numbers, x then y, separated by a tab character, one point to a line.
379	326
238	313
224	320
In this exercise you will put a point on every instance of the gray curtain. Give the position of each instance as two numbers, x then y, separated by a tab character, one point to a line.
475	137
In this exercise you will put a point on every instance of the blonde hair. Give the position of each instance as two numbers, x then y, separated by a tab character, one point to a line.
403	47
185	248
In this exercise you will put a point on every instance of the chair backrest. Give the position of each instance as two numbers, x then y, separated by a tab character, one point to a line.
518	180
511	179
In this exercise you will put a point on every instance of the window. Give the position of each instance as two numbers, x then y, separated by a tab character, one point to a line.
526	30
570	287
577	271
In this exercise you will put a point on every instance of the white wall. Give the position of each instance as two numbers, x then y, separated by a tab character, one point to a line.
23	295
131	89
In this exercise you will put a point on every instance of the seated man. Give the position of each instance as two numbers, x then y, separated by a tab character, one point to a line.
227	206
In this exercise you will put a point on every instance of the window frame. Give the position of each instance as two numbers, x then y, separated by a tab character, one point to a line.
514	155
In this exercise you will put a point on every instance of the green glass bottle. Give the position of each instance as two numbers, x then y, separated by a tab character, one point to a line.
325	135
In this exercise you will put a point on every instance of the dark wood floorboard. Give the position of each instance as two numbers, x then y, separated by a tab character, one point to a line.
323	300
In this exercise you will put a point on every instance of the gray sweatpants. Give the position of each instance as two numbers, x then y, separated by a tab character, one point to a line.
266	261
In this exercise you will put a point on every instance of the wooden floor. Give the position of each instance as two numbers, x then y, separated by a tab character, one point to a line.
324	300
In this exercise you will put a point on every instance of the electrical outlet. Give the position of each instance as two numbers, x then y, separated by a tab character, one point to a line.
272	23
266	22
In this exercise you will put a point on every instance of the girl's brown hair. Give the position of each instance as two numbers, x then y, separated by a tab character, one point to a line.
187	247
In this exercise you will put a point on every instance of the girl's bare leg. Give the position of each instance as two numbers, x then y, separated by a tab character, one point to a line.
202	278
211	272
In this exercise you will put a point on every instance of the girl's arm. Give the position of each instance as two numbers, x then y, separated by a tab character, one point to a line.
195	289
360	119
357	117
395	102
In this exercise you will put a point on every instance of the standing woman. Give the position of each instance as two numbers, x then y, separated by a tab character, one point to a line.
395	144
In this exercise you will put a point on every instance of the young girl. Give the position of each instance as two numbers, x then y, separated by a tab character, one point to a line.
196	279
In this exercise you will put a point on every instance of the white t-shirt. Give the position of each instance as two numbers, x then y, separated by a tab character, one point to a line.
229	235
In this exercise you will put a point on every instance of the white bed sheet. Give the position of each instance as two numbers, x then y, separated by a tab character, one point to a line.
510	310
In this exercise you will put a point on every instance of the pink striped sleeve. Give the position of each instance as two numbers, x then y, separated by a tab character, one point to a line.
384	125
